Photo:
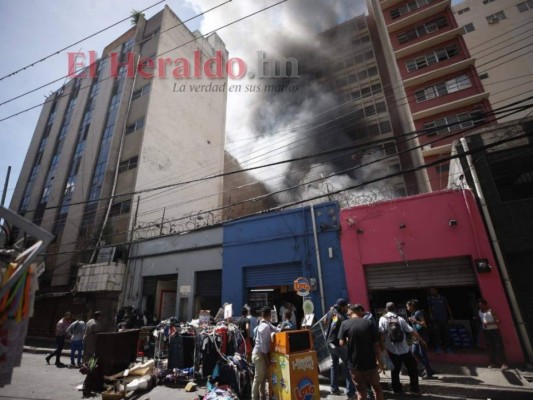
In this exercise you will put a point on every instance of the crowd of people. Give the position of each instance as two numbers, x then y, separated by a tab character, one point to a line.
364	346
82	338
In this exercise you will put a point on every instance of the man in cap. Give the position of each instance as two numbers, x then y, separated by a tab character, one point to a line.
92	327
61	333
334	318
393	329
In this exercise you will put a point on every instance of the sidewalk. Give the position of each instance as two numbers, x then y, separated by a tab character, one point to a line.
454	381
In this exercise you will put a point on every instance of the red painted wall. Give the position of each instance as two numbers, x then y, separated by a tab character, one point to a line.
389	20
427	236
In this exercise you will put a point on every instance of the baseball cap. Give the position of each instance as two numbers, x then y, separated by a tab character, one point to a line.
390	304
341	302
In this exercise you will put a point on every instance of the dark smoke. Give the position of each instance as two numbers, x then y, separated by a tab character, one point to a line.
311	100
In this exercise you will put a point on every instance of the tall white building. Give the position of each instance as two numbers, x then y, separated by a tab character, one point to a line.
498	35
103	138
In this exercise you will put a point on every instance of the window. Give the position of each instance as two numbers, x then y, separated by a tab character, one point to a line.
120	208
442	168
468	28
422	30
455	122
135	126
495	18
484	76
408	7
464	10
525	6
432	58
488	1
128	164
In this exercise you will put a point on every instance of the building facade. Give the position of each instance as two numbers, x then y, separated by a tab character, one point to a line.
435	83
263	256
176	275
396	250
124	127
497	34
500	172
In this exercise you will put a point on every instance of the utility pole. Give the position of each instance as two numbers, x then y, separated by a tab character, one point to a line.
6	182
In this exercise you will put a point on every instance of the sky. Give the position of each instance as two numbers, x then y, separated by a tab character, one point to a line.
33	29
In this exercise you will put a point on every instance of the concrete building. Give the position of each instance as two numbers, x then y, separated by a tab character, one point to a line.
121	130
353	69
176	275
497	33
436	87
500	172
396	250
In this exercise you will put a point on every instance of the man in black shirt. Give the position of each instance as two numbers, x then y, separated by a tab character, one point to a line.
334	318
364	353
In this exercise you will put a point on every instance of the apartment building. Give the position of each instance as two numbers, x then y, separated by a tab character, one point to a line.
436	86
107	139
497	33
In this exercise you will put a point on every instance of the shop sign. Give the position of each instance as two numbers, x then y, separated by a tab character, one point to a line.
305	390
302	286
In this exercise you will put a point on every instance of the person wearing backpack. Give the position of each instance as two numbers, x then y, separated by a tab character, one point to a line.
393	330
244	329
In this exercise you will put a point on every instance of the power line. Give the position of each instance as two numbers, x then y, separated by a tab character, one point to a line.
313	181
356	186
106	57
74	44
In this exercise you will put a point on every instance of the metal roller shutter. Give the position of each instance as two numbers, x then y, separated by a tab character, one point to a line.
209	283
272	275
421	274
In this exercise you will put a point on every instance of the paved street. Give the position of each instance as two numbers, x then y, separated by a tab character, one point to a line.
36	380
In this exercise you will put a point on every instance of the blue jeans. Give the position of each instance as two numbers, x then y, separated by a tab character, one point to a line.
340	353
420	353
76	346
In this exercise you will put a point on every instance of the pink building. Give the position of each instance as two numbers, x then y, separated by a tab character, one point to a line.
396	250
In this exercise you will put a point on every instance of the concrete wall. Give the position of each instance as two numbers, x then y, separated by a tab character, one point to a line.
183	136
508	74
427	236
180	254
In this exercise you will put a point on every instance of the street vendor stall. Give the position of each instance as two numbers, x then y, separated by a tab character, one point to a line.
294	369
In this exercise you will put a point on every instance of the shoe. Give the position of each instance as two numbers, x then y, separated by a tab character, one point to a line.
414	394
491	366
428	377
47	358
505	366
336	391
72	365
79	365
60	364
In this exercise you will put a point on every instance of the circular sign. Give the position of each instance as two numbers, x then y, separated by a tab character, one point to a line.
302	286
308	307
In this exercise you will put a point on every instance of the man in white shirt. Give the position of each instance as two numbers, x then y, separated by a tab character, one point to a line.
261	353
393	329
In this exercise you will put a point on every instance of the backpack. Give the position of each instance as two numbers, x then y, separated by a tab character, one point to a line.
242	326
394	330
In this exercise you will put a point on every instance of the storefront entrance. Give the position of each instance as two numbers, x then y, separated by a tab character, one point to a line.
455	279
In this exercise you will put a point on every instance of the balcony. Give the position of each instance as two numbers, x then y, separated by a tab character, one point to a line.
439	72
429	150
428	43
389	3
418	16
453	105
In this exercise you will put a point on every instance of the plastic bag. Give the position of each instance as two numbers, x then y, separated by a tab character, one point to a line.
387	362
